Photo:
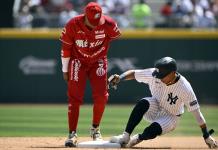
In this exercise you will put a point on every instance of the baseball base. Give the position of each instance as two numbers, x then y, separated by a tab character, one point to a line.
98	144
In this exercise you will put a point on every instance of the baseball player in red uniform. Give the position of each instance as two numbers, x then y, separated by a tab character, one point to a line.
85	43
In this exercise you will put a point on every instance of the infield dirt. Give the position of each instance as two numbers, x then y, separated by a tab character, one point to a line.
57	143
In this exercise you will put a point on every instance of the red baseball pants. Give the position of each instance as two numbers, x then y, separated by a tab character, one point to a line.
79	72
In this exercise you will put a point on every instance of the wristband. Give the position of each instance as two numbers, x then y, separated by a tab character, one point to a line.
205	132
123	76
65	62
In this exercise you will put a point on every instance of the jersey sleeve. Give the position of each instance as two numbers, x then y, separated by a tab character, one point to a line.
191	101
67	40
113	30
67	34
144	76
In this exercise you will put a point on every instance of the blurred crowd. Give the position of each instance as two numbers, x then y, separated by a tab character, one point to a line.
128	13
190	13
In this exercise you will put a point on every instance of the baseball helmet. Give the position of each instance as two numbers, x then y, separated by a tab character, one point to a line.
164	66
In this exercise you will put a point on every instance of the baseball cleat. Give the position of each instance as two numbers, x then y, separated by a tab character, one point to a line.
133	141
72	140
122	139
95	134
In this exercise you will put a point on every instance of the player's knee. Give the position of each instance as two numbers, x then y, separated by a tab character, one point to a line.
75	101
101	99
142	105
74	98
151	131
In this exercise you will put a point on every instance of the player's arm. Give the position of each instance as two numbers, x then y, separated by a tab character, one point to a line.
113	31
66	48
65	58
141	75
193	106
210	141
113	80
65	62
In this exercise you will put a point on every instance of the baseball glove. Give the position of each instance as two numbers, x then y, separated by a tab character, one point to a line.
113	81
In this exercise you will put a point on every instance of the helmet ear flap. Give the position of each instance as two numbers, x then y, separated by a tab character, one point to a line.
164	66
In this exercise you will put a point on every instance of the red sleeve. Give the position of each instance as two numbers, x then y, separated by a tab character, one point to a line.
67	40
113	30
66	50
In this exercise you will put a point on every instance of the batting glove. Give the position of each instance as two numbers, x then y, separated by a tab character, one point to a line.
113	81
209	140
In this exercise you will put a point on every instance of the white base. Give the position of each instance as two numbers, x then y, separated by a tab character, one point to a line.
98	144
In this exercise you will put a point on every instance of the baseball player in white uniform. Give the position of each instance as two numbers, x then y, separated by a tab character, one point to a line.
170	93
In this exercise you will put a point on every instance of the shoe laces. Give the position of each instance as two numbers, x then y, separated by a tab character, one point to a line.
125	135
72	134
136	139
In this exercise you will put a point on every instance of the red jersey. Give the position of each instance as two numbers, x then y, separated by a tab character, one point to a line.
88	45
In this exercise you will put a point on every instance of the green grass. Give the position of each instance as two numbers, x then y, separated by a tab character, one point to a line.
51	120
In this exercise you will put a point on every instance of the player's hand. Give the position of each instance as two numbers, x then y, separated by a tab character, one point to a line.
211	142
66	76
113	81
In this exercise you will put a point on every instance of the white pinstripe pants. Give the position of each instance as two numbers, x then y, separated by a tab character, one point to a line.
155	113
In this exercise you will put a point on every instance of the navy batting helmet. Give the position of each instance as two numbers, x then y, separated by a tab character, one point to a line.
164	66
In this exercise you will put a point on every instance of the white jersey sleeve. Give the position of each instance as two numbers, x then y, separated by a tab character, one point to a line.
144	75
190	99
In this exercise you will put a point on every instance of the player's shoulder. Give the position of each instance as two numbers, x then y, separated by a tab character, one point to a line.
109	21
183	79
185	83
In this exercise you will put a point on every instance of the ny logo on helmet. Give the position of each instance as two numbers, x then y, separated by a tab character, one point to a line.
172	99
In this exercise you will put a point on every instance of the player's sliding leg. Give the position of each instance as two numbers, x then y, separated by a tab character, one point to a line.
136	116
98	80
162	124
150	132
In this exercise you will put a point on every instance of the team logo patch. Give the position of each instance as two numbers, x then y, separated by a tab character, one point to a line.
100	70
116	29
193	103
97	16
172	99
99	36
63	32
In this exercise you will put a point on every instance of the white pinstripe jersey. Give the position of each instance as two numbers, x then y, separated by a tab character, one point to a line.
172	98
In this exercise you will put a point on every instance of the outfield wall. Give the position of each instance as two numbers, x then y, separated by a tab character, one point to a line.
31	67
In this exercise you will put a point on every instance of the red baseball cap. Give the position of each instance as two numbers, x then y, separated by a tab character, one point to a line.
93	13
